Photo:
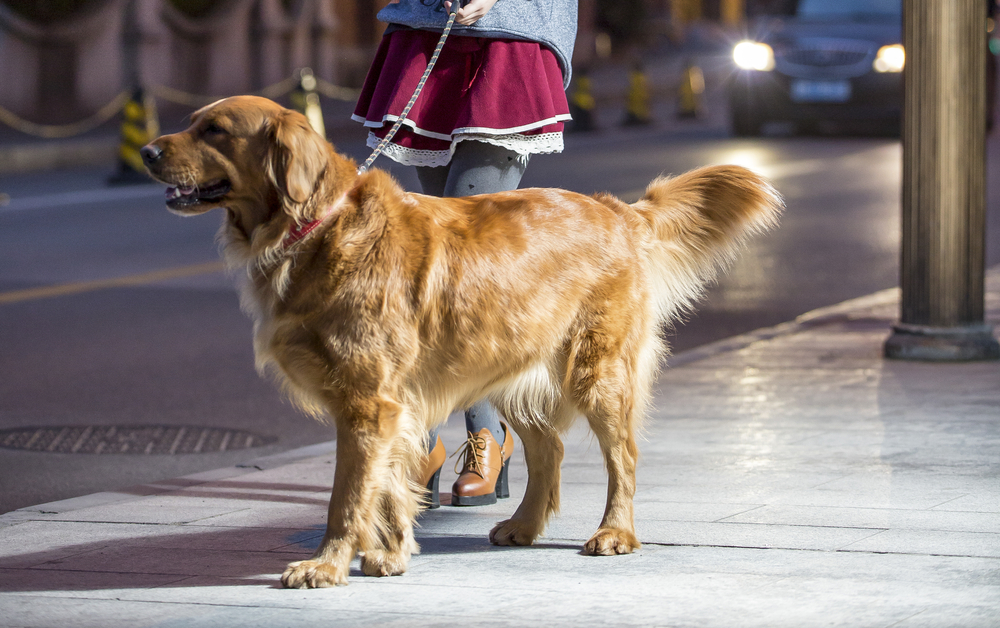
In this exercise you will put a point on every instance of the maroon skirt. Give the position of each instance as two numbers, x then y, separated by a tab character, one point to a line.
500	91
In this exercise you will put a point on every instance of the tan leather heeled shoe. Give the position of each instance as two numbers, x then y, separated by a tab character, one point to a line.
430	475
484	472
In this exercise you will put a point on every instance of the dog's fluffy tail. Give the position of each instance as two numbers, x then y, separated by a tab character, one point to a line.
699	221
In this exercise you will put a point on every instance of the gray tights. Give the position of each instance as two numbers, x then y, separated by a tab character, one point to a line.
475	168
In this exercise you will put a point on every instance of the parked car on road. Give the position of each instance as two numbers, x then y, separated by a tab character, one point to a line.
833	60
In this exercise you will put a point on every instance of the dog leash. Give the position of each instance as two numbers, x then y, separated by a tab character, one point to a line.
455	4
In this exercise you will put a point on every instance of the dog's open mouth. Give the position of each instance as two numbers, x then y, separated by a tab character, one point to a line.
182	197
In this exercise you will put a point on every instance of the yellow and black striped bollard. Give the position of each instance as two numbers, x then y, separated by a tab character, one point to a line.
140	126
637	98
582	103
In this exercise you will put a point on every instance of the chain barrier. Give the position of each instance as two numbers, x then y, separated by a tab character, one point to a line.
180	97
336	92
169	94
58	131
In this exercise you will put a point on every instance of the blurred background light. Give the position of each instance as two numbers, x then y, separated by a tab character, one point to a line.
890	59
752	55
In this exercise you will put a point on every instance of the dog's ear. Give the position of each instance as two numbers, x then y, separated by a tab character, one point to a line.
298	157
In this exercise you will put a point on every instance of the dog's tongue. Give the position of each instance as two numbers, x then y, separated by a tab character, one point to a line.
177	192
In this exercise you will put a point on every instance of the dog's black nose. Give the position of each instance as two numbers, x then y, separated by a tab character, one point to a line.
150	154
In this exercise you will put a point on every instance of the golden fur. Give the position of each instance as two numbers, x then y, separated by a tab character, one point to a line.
400	307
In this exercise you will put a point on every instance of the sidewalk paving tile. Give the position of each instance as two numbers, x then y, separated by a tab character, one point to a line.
152	510
128	558
882	518
936	542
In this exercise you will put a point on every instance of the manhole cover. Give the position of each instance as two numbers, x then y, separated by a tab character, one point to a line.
130	439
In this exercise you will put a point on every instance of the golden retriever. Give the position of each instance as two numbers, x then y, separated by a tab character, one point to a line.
385	310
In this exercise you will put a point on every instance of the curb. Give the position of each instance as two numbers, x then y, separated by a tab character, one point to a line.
167	485
815	318
21	158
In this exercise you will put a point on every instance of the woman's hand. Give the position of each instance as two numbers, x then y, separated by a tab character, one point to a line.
472	11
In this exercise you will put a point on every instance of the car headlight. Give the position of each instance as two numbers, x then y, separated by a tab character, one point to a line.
753	55
890	59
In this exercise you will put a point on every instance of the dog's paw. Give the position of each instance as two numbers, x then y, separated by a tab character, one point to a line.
513	532
384	563
313	574
611	541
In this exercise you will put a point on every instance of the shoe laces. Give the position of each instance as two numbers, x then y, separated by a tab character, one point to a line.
474	448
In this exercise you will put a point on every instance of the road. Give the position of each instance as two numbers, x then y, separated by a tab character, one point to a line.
114	312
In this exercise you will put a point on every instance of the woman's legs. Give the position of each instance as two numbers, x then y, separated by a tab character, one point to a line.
433	180
475	168
481	168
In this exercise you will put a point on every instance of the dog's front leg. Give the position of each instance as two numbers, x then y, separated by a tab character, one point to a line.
397	507
363	447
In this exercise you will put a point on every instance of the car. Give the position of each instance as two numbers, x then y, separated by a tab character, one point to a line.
826	60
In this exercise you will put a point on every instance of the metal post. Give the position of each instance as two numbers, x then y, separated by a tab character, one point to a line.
733	12
944	192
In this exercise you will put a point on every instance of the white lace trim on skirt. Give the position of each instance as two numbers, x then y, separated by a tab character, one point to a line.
520	144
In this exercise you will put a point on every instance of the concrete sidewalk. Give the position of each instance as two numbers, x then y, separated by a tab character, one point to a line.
790	477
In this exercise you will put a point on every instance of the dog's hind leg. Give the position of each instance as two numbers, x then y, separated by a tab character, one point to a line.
543	452
614	403
611	382
365	435
617	532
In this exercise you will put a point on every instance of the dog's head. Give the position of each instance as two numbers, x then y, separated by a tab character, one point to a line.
246	154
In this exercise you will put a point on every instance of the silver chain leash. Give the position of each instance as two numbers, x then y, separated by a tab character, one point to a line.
455	4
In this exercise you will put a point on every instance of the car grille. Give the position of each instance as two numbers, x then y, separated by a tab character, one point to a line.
825	58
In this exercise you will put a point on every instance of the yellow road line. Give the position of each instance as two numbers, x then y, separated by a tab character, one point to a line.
46	292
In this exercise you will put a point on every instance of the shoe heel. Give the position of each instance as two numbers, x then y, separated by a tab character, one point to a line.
433	500
503	488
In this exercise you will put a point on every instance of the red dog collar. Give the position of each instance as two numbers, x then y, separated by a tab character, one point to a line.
300	231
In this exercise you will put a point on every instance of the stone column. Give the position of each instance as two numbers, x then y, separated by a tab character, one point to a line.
733	12
210	53
584	51
324	50
944	196
357	36
59	71
146	45
271	34
313	42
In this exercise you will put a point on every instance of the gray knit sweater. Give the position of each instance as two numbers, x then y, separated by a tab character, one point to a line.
549	22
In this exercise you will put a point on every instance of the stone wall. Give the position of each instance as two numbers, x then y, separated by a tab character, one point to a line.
57	71
60	71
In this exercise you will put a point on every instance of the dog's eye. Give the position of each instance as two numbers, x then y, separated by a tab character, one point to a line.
214	129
